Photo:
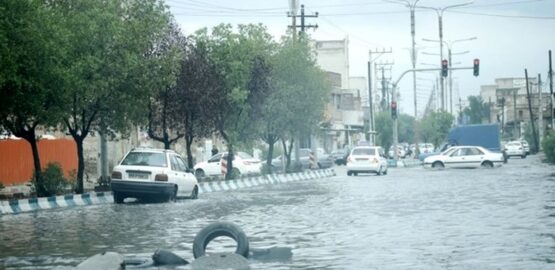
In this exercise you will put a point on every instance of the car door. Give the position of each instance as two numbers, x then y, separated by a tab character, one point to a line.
456	159
213	165
189	179
177	173
474	157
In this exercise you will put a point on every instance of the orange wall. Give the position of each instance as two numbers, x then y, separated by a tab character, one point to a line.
16	158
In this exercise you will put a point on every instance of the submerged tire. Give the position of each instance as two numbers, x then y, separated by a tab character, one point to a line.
214	230
487	164
438	165
118	198
194	193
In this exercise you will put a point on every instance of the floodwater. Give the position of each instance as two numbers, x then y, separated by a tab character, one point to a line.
502	218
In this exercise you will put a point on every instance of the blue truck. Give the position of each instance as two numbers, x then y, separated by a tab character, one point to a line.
485	135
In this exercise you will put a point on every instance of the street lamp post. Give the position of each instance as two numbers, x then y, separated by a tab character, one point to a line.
412	7
439	12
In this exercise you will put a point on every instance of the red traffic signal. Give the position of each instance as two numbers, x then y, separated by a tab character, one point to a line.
393	109
444	68
476	67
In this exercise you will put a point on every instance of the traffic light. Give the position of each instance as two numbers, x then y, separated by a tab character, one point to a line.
476	67
393	109
444	68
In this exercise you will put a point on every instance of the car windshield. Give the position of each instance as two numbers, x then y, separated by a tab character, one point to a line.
145	159
363	152
244	155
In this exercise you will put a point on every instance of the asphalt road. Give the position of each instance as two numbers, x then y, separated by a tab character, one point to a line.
413	218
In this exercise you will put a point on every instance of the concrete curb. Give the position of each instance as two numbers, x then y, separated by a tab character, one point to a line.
93	198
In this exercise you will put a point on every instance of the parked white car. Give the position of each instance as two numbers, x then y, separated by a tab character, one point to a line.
526	146
515	148
367	159
465	157
243	163
153	174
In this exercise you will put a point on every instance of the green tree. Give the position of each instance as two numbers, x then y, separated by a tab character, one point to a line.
384	129
30	72
165	122
110	69
240	59
435	127
477	110
406	128
300	94
195	84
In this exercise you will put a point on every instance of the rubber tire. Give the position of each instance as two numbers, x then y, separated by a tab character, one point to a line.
118	198
487	164
523	156
379	172
438	165
194	193
349	173
173	198
199	173
385	172
210	232
355	174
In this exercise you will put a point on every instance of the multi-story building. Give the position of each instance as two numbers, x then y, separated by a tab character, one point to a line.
344	123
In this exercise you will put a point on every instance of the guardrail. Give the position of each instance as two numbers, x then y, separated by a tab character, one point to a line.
35	204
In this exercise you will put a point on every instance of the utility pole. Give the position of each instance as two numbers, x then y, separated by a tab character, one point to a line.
515	133
540	112
293	5
303	25
371	129
530	109
551	92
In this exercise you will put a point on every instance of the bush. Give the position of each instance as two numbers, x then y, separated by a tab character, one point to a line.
548	145
53	179
1	186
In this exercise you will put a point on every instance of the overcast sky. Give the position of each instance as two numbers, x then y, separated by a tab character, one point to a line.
511	34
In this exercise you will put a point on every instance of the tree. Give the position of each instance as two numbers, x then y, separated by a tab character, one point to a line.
477	110
300	94
406	128
435	127
234	104
109	75
384	130
164	115
30	72
197	77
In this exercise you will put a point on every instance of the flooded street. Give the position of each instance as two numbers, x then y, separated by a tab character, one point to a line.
502	218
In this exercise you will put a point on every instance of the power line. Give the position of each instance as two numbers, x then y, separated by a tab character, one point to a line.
503	16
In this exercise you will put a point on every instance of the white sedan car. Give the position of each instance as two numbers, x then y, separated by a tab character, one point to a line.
153	174
515	148
243	163
367	159
465	157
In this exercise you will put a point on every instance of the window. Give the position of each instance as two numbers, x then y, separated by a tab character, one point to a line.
145	159
364	151
215	158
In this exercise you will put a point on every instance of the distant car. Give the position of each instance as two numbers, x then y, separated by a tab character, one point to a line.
367	159
515	148
153	174
324	160
243	163
465	157
526	146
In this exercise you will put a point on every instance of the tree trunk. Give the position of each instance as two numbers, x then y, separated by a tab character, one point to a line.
188	144
270	154
230	156
167	144
40	189
80	165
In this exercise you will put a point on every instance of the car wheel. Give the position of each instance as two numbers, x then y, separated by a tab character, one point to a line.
379	172
438	165
199	173
487	164
349	173
194	194
118	198
355	174
173	197
523	156
385	172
